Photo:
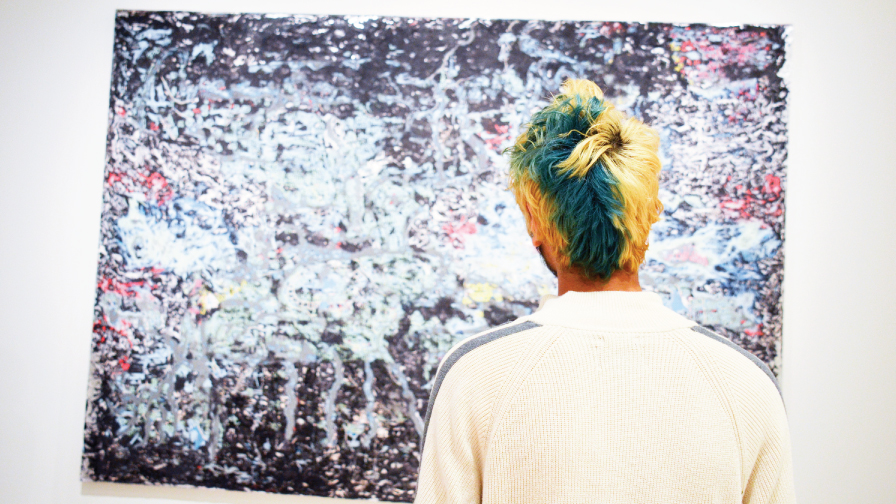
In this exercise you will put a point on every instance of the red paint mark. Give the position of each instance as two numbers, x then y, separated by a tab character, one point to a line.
756	202
197	110
713	60
754	332
153	185
157	186
772	185
125	289
121	111
153	126
280	250
125	365
97	326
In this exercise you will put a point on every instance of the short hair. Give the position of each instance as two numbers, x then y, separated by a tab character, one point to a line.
589	176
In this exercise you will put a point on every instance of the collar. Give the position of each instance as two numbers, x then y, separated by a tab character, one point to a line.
613	311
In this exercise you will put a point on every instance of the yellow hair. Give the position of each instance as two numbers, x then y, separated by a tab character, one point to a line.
623	146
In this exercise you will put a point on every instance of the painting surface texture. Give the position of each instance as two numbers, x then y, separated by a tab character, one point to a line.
303	214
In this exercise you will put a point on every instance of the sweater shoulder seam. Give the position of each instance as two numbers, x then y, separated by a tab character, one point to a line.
713	377
462	350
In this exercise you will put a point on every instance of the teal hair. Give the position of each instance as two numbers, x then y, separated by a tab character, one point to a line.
584	207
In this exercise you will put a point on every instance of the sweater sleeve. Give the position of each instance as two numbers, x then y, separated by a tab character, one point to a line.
450	469
767	455
765	441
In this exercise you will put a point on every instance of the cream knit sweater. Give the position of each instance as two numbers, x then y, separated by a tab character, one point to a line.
604	398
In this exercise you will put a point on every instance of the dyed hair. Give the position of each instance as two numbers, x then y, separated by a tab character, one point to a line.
589	176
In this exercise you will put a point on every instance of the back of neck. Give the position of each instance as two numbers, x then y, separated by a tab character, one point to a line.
569	280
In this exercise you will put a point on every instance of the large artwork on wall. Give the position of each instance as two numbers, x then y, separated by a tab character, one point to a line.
303	213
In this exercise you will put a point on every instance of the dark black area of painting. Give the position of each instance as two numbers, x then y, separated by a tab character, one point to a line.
253	439
384	470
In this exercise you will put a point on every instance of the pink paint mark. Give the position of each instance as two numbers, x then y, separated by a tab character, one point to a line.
196	285
457	232
197	110
687	253
153	126
502	135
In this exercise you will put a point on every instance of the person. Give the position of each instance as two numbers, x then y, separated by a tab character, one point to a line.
602	395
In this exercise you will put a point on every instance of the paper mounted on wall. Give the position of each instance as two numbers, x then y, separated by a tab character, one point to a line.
303	213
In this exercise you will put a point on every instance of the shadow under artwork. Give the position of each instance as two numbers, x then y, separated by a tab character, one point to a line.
302	214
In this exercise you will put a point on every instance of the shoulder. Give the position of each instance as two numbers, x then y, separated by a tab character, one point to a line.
479	341
755	399
475	365
746	383
497	346
732	357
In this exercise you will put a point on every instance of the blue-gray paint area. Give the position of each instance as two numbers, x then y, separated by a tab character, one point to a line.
464	349
765	369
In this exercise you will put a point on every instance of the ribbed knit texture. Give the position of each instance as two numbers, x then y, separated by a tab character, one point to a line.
613	399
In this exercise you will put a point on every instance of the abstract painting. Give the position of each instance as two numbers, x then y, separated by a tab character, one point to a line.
302	214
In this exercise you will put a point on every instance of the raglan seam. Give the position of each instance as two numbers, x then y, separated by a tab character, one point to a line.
441	376
726	401
743	352
508	391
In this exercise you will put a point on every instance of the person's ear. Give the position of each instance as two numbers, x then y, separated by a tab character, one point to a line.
533	227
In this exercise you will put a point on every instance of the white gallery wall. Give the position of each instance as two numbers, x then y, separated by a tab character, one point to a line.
839	356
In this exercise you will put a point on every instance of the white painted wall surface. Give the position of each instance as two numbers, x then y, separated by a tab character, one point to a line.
839	373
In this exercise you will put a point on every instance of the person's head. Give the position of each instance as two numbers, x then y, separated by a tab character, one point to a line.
586	178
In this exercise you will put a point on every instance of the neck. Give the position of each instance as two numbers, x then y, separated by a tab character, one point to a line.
619	281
